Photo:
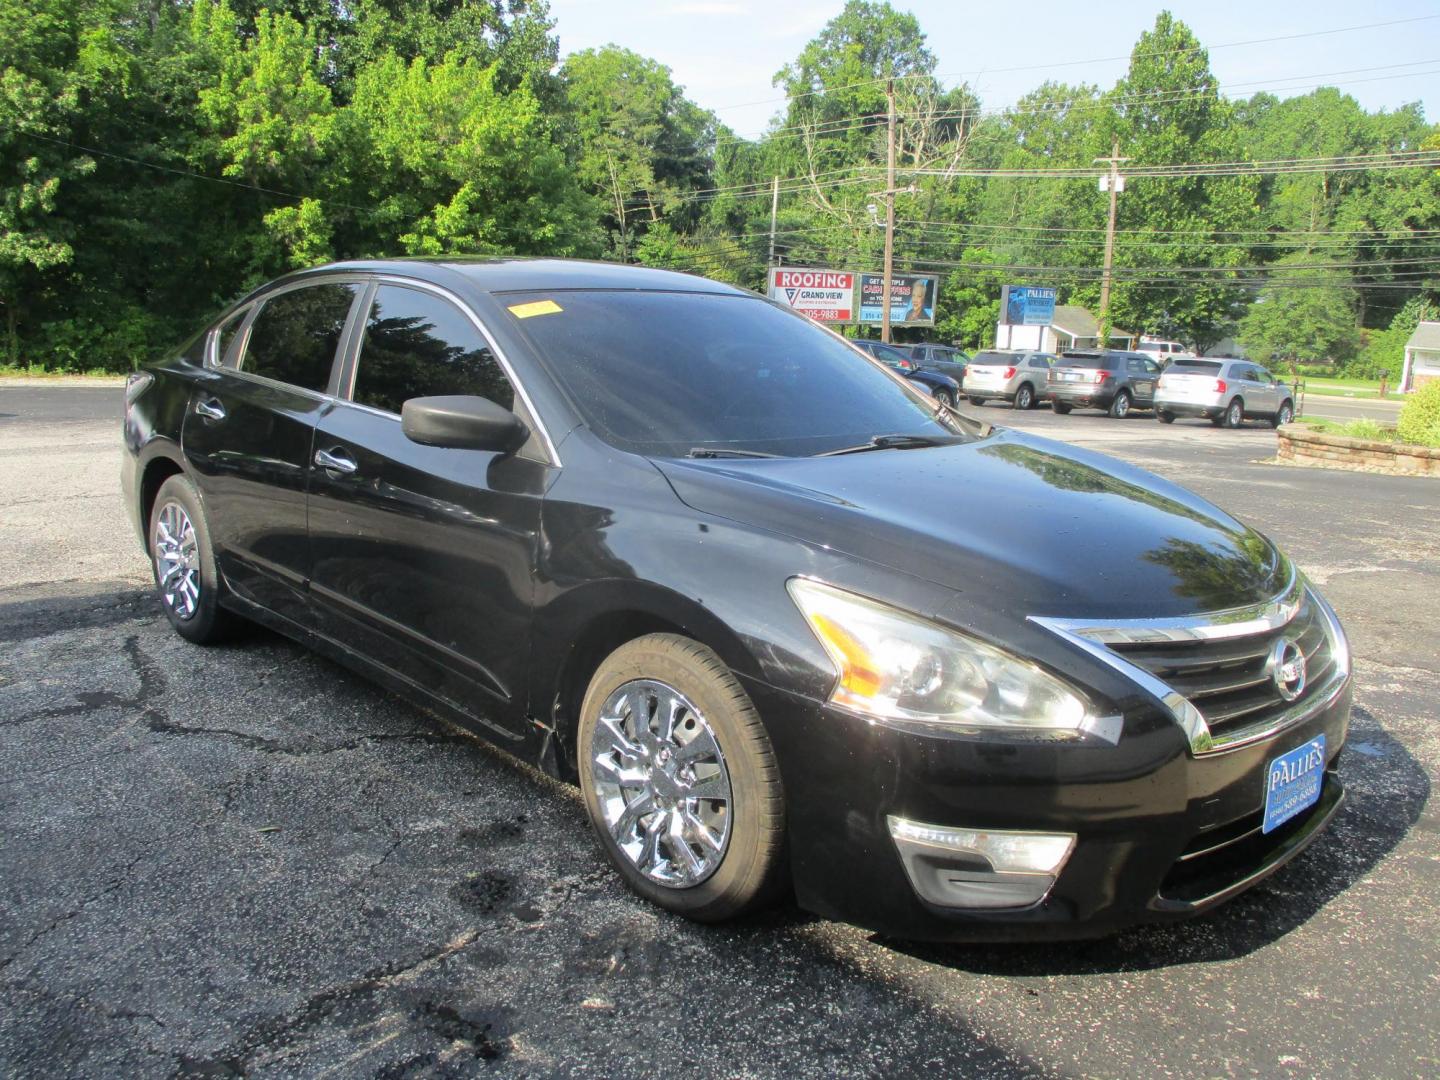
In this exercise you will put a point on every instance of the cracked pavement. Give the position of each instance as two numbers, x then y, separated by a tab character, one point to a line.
245	861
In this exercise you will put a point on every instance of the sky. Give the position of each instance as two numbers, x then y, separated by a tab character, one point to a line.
725	52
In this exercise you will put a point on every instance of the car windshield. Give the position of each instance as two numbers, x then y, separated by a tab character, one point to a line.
1085	360
670	373
1195	367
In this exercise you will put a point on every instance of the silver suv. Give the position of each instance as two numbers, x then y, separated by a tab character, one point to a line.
1016	377
1225	392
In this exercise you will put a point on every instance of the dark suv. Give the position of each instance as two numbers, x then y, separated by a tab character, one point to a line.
946	359
1110	379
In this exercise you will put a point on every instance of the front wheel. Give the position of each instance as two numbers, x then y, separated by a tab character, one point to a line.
1285	414
1165	417
183	563
1120	405
680	780
1025	397
1060	407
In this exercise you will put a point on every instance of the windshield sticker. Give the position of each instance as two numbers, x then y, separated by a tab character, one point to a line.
535	307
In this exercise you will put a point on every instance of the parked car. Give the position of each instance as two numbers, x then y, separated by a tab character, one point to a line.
1224	392
1110	380
941	387
1014	377
1163	351
792	629
945	359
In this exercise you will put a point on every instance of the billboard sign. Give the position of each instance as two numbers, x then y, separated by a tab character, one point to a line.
1027	305
912	299
823	295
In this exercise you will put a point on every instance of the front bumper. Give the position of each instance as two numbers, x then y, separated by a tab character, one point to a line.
1161	835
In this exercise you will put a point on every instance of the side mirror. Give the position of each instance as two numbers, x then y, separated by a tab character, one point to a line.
462	422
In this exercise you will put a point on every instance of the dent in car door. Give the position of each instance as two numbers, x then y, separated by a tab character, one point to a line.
247	436
422	555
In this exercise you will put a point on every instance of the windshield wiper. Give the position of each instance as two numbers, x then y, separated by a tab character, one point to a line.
888	442
723	451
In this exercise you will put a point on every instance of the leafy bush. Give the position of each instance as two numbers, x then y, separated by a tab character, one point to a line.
1420	416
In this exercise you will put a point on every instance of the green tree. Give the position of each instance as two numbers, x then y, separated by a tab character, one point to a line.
642	143
1305	315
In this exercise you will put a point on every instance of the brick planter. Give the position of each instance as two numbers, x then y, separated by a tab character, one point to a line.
1300	445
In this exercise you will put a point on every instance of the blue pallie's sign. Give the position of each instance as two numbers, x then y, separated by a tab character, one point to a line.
1027	305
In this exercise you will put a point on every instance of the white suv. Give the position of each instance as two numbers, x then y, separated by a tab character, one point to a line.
1225	392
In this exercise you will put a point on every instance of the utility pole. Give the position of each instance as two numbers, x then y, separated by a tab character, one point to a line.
1116	184
889	211
774	210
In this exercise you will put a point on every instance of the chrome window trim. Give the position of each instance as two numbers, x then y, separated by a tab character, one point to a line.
505	364
1093	638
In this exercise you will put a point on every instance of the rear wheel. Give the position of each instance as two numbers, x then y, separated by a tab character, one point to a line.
1120	405
945	397
1284	415
1165	417
1025	397
1234	414
1060	407
680	780
183	563
977	401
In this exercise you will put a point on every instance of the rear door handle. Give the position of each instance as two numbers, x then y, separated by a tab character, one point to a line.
210	408
336	460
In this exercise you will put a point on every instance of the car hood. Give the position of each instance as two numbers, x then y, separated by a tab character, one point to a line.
1014	523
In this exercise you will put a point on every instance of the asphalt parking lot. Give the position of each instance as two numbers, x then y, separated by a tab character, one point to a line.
244	861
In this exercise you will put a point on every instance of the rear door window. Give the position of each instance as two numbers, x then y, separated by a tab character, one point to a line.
294	337
418	344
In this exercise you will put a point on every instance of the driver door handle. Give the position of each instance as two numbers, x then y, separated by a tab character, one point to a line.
210	408
336	460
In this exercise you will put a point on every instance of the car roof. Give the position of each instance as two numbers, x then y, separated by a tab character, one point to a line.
524	274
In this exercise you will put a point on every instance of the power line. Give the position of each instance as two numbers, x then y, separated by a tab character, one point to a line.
187	172
1183	50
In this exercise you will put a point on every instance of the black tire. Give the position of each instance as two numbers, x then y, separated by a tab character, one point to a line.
977	401
1025	397
1120	405
208	622
1165	417
750	871
1234	414
1060	407
945	397
1283	415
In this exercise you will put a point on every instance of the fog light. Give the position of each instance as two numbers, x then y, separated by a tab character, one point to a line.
974	868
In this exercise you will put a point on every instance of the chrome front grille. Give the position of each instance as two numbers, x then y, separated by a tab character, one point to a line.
1231	681
1216	673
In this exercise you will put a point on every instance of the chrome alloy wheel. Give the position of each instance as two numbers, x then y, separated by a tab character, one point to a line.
662	784
177	560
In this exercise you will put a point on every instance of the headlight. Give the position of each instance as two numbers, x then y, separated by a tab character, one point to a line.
899	667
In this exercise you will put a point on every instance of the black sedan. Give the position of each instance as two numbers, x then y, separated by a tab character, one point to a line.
940	386
790	625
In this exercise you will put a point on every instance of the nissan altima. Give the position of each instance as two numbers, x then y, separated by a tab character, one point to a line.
792	626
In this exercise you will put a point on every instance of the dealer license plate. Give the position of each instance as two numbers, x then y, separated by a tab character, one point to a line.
1292	782
1069	376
